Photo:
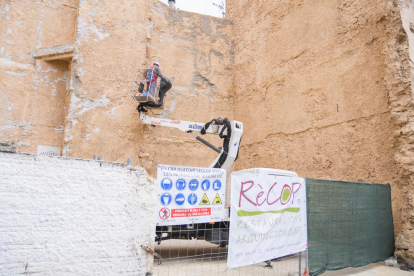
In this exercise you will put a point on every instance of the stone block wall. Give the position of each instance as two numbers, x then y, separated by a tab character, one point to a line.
324	88
113	40
400	83
82	102
310	88
317	102
63	216
331	93
33	92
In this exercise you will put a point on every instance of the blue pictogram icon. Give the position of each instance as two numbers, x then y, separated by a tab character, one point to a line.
192	198
166	184
216	185
165	199
205	185
180	184
193	184
180	199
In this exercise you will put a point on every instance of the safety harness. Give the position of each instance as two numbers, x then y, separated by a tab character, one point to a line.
151	75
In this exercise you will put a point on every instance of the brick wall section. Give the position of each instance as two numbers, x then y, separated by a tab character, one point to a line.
62	216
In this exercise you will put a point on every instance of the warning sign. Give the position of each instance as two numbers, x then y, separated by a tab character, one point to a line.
164	213
193	212
217	200
204	200
186	195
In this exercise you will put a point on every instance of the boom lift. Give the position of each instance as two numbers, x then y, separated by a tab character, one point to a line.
230	131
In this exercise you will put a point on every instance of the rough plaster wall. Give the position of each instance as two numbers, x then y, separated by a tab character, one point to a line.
32	93
61	216
32	102
113	40
27	25
323	87
400	76
310	89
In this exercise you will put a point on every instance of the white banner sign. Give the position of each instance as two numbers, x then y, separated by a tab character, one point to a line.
268	218
190	195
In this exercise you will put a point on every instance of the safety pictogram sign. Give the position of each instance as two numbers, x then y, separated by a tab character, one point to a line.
193	184
217	200
164	213
186	195
204	200
192	198
216	185
205	185
165	199
166	184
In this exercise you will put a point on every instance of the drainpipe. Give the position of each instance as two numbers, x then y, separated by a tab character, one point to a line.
171	3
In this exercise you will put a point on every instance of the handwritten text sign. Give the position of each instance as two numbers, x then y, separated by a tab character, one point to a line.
268	218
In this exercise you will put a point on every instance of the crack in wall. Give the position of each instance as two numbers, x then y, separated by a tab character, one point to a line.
314	128
39	28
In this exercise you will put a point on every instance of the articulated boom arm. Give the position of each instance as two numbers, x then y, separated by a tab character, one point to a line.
231	132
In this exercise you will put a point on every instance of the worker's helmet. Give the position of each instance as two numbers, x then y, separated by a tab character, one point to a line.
156	63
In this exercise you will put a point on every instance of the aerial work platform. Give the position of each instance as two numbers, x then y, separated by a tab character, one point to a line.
229	131
140	90
144	98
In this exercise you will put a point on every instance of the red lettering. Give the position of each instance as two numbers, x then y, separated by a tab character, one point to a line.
190	212
257	199
244	191
267	198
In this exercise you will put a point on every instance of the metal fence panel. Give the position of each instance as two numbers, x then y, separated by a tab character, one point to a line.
349	224
201	249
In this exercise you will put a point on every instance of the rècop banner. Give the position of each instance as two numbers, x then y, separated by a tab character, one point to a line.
267	219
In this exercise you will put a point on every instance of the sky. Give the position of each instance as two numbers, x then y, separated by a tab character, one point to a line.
199	6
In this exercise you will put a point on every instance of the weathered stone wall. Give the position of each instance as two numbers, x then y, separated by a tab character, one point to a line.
32	92
64	216
112	41
331	93
319	77
310	89
400	78
324	88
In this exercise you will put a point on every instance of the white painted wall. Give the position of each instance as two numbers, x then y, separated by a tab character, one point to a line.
62	216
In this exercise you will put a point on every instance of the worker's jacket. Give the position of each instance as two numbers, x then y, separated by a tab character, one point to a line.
153	72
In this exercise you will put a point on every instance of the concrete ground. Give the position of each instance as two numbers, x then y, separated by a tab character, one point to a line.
377	269
198	257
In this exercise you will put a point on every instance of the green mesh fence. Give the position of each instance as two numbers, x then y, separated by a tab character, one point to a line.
349	224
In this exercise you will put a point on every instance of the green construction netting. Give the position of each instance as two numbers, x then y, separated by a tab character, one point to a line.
349	224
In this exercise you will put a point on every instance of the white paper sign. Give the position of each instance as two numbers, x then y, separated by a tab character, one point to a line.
190	195
48	150
268	218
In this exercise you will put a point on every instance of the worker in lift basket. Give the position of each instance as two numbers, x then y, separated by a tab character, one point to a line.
153	72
